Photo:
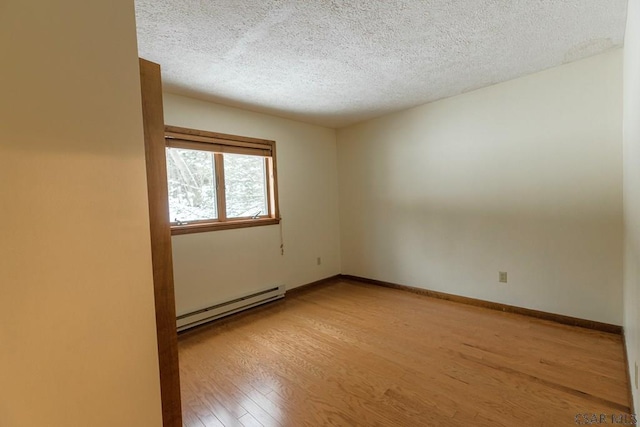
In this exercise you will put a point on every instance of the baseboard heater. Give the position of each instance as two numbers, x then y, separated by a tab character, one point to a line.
198	317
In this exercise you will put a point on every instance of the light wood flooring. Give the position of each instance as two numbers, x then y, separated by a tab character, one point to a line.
352	354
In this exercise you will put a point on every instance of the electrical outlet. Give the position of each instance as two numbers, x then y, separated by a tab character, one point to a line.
502	276
636	375
319	261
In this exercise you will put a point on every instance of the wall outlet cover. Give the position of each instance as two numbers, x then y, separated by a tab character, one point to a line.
502	276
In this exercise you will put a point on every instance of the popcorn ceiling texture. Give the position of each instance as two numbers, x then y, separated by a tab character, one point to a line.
338	62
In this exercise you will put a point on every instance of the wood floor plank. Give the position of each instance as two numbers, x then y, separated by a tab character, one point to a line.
247	420
348	354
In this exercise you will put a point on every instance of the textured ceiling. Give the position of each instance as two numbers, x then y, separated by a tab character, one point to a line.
337	62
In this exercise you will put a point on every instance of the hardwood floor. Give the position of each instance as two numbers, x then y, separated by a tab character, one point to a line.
350	354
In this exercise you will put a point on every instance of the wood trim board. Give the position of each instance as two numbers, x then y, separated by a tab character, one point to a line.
558	318
229	225
161	256
203	135
627	369
308	286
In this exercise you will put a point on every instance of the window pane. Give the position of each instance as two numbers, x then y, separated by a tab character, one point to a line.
245	185
192	188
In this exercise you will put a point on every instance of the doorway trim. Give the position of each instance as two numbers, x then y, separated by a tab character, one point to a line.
161	255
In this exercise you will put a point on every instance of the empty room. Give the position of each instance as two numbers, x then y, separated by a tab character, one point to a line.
335	213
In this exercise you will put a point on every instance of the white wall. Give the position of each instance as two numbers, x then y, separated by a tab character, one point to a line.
523	177
77	325
631	135
214	266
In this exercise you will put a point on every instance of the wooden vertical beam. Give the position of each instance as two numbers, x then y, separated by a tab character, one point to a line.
221	198
153	119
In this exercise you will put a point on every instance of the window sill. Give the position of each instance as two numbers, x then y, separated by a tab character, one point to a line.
227	225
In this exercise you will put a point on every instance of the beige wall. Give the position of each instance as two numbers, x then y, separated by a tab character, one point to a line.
631	132
523	177
212	267
77	328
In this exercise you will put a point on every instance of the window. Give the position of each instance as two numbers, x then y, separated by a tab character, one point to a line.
218	181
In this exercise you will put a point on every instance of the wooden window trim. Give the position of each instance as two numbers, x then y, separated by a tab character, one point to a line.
219	143
221	199
228	225
217	147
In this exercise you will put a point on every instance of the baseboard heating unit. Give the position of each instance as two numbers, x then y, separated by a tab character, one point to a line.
198	317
